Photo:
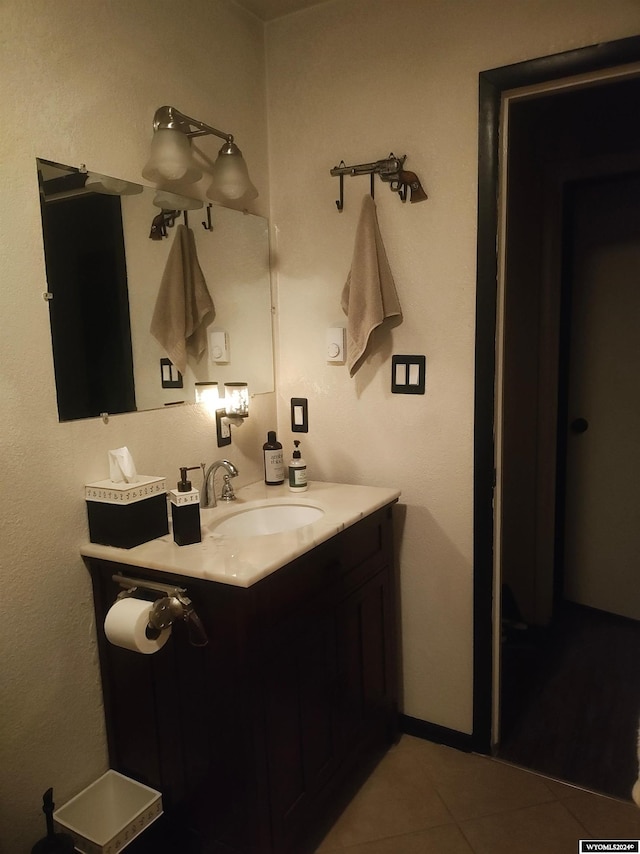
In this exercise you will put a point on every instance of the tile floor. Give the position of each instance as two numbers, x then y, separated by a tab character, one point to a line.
424	798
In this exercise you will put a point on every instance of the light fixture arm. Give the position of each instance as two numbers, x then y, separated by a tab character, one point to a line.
171	118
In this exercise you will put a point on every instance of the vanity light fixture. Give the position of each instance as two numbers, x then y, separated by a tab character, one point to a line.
207	394
172	158
236	399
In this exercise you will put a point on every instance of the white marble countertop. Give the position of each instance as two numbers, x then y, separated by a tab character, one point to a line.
243	561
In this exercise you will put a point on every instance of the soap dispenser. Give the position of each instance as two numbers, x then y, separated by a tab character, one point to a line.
185	510
297	471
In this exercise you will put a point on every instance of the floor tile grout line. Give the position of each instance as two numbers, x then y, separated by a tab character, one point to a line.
561	795
344	849
466	838
583	835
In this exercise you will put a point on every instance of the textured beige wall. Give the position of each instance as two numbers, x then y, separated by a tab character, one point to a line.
354	80
80	83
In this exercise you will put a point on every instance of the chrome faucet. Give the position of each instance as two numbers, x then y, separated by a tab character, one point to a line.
209	485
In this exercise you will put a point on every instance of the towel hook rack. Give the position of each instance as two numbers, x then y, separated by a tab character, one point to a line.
391	170
164	220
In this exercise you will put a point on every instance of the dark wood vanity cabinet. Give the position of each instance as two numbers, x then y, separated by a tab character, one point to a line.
257	739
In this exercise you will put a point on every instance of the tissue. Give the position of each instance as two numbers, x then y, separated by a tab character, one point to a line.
121	466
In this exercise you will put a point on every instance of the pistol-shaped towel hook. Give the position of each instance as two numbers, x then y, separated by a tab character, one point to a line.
165	219
391	171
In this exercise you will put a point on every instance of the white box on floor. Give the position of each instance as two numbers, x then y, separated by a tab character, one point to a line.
106	816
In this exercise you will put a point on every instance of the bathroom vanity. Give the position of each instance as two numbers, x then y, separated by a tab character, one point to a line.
259	738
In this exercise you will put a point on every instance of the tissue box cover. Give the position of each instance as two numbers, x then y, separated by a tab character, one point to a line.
127	514
106	816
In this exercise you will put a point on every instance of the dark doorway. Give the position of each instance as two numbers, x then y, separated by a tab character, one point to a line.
569	699
89	303
554	141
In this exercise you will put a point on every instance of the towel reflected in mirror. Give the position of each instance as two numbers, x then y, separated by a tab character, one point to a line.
184	307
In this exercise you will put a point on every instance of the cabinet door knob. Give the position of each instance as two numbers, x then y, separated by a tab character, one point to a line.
579	425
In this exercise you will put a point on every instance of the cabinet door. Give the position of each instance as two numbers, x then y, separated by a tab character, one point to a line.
366	699
299	691
330	707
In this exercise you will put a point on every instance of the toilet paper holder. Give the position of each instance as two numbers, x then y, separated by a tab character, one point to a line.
170	604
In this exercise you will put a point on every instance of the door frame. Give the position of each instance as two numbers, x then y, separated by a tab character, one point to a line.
493	85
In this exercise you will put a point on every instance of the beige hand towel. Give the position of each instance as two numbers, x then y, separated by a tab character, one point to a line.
184	307
369	296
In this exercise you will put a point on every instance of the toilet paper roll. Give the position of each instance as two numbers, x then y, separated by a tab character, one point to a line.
126	625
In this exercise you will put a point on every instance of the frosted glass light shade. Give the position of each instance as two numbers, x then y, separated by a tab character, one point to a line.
110	186
171	158
175	202
236	400
230	177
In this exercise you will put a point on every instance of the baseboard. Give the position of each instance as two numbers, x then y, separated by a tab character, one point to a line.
434	732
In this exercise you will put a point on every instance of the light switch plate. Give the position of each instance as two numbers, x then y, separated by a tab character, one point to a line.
223	429
299	415
170	376
408	374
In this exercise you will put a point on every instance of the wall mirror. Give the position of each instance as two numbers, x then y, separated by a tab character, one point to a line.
103	276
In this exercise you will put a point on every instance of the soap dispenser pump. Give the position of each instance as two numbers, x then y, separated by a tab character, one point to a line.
297	471
185	510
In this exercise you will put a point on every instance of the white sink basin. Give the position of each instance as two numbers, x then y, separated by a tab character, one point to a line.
258	520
